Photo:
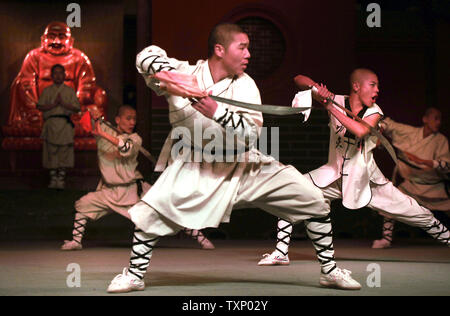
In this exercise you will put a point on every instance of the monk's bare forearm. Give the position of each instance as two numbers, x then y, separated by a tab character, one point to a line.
350	124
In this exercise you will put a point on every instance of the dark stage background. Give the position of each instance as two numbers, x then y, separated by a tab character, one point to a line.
325	40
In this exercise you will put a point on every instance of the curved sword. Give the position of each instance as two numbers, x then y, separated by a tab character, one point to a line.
263	108
284	110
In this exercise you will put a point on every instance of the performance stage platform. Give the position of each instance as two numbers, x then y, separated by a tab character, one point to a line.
180	268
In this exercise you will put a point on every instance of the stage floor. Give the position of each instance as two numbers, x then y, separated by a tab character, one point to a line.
180	268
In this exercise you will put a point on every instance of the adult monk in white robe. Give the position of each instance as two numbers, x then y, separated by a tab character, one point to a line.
201	193
351	173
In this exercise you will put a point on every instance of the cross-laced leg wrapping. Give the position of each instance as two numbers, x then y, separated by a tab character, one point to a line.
284	231
79	227
388	229
141	252
320	232
196	235
438	231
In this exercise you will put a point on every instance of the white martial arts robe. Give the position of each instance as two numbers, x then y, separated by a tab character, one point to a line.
202	194
352	175
425	185
351	160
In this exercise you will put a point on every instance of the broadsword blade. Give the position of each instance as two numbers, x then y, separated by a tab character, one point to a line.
264	108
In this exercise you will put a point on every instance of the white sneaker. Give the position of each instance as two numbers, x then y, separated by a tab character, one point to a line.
340	279
273	259
381	244
207	245
71	245
125	282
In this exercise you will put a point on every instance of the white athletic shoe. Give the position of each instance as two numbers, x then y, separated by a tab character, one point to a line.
207	245
125	282
381	244
340	279
71	245
273	259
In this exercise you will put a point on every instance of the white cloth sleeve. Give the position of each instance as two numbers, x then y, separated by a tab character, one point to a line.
303	99
396	130
129	144
152	60
374	109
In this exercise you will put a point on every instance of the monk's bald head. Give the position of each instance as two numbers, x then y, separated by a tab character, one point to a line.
364	86
222	34
432	120
123	109
359	75
432	111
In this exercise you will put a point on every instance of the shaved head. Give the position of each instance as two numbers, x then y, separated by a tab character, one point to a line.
364	86
121	110
432	120
222	34
430	111
359	75
126	119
